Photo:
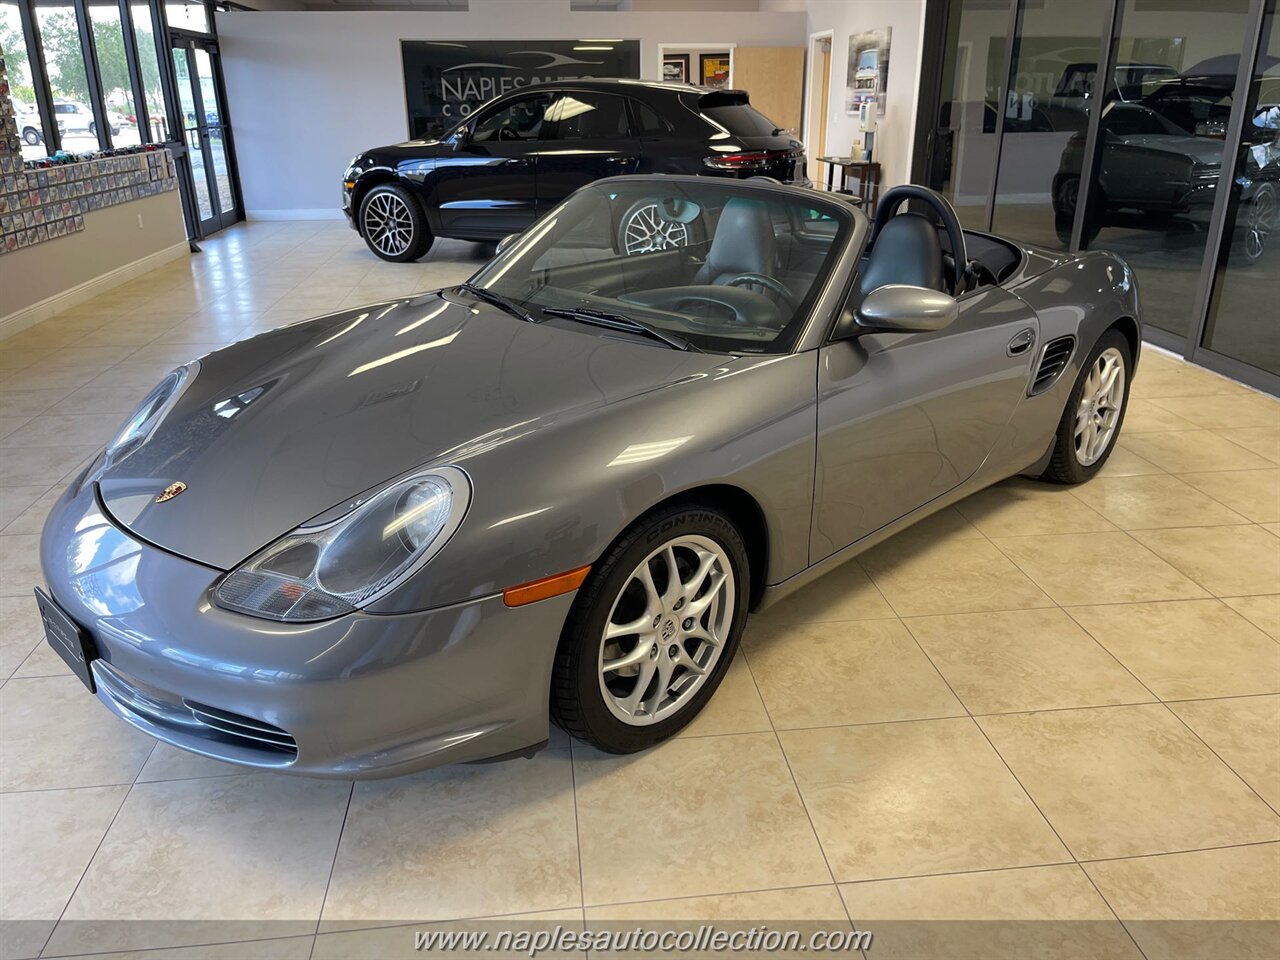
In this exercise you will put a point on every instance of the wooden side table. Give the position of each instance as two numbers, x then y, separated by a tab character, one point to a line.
868	174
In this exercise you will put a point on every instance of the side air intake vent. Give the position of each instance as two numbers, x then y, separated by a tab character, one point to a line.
1053	360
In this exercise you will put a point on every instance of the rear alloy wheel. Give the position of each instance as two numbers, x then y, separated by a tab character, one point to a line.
1094	413
653	630
393	224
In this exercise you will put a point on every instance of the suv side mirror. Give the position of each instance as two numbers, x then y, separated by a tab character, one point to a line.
462	136
907	309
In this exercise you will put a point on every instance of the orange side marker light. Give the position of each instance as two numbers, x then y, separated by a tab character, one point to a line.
552	586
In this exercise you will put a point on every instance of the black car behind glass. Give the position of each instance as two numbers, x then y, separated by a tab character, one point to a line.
522	153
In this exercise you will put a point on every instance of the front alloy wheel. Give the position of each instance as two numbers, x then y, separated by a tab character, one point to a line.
393	224
667	630
652	630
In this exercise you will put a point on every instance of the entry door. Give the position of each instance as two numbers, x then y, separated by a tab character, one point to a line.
485	184
200	103
904	418
590	137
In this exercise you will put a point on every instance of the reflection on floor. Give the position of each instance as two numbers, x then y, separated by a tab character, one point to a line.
1044	704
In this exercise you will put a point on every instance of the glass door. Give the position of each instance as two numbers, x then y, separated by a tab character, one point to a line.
206	134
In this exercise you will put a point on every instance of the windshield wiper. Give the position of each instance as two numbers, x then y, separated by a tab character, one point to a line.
620	321
499	301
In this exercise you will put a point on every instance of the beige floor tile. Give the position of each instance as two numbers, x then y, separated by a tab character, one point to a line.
1193	451
279	948
1271	528
459	842
168	762
42	661
1245	732
1253	493
1128	781
692	817
1135	503
1264	441
1245	409
20	631
1040	912
1021	507
398	942
845	593
1123	462
46	841
1148	416
823	674
1196	906
38	465
903	799
1024	660
27	403
1262	611
1077	568
949	576
14	500
118	400
1186	381
19	565
55	734
1226	561
736	706
794	904
48	430
31	520
206	861
1188	649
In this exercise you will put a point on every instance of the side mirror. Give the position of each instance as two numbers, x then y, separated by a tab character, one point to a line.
462	136
897	306
506	241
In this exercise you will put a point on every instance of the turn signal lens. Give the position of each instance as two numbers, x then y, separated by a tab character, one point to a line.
552	586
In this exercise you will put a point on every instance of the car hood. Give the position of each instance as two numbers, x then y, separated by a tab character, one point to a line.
1203	150
276	430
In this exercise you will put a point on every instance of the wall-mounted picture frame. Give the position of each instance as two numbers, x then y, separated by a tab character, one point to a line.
713	70
675	67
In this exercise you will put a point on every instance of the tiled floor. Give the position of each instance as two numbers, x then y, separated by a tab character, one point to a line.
1043	704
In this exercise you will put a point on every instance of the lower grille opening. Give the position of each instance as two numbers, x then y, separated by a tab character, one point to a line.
250	732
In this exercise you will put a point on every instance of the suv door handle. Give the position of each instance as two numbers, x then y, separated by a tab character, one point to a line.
1021	342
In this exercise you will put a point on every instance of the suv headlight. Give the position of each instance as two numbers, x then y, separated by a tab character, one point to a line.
324	570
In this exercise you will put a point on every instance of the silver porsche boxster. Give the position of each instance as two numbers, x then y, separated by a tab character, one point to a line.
418	532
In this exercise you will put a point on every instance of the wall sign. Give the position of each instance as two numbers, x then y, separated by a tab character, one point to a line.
446	80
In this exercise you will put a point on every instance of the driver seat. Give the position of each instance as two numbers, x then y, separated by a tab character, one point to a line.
907	251
743	243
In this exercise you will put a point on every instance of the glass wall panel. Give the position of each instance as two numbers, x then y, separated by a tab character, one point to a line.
188	15
964	141
1046	119
1246	300
68	80
14	44
113	71
1167	107
149	64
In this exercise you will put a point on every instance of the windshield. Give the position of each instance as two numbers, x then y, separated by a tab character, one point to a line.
729	268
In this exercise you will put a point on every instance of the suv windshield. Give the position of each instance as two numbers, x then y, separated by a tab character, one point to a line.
728	268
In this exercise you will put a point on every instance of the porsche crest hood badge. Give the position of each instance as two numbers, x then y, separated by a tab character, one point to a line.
171	491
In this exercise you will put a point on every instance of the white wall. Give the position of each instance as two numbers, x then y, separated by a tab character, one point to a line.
896	132
310	89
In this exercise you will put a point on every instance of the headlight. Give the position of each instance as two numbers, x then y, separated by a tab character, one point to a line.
142	423
321	571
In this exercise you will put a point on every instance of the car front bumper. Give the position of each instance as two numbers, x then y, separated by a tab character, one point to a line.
361	696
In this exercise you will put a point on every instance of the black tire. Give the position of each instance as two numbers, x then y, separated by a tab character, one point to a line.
577	703
684	234
93	129
32	136
1065	466
420	236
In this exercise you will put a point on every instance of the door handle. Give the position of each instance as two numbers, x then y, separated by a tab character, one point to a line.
1021	342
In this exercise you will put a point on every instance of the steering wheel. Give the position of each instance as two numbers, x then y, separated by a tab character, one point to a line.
507	133
888	208
769	283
